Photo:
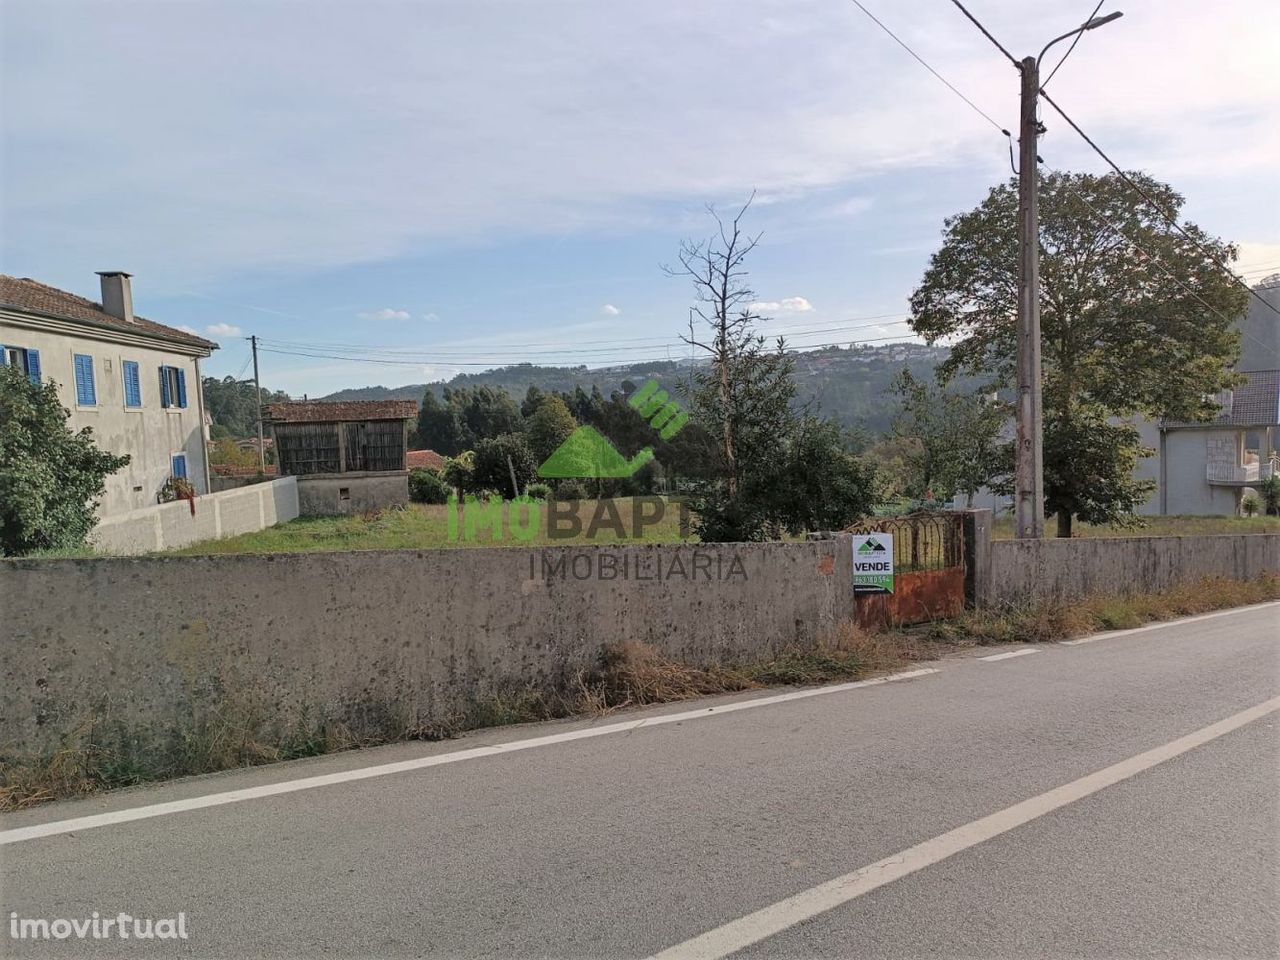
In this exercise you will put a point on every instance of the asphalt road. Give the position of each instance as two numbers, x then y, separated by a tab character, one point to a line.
980	783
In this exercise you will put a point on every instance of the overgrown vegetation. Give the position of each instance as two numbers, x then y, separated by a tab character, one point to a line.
243	732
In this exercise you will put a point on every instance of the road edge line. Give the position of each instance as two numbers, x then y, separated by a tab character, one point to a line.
1115	634
148	811
778	917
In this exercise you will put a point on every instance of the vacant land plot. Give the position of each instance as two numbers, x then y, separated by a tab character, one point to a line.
1158	527
420	526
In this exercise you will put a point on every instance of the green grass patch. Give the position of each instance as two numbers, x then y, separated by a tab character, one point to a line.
426	526
1002	529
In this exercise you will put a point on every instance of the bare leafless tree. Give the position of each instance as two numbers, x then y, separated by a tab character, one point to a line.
724	308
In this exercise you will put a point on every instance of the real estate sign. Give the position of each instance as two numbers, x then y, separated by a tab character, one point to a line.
873	563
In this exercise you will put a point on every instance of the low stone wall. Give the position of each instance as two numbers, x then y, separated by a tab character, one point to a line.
1024	570
330	495
149	647
224	514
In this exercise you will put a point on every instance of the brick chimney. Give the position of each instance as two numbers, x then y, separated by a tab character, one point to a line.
117	294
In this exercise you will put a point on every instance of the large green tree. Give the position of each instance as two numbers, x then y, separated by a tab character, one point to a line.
1136	327
233	406
549	425
464	417
50	476
953	439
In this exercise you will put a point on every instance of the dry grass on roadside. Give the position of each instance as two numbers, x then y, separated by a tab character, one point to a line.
1049	620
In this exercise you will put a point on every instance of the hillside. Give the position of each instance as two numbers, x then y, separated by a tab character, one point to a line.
853	385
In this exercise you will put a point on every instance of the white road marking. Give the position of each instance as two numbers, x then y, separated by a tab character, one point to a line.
754	927
1113	634
1012	653
19	834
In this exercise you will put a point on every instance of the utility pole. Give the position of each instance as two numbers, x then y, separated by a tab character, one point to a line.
1029	454
257	392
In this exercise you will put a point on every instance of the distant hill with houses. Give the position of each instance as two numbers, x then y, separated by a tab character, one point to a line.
852	384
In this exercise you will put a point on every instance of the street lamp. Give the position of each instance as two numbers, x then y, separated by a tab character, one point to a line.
1029	451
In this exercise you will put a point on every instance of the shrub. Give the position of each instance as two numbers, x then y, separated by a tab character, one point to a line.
570	490
498	458
427	486
1270	490
538	491
1250	505
176	488
50	476
459	470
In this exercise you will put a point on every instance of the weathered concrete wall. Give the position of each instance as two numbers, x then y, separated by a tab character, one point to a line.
326	496
151	644
1033	569
224	514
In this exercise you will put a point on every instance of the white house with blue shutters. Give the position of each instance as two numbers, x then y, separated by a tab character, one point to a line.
134	381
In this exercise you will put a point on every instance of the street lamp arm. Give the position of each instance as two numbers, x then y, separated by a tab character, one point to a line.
1091	25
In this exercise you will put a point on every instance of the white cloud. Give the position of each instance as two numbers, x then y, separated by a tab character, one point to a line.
610	310
431	317
222	330
386	313
787	305
186	329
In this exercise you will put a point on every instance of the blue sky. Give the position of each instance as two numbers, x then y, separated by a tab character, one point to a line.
469	182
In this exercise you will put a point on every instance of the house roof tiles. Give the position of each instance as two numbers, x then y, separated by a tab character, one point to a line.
31	296
340	411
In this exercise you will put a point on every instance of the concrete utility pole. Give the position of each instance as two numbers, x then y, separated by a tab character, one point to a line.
257	392
1029	456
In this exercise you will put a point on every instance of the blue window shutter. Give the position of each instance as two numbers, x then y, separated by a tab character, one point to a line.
4	355
132	385
86	395
182	387
179	463
166	400
33	366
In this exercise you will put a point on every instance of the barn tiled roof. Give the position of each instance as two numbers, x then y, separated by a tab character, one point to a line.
1255	403
338	411
30	296
424	460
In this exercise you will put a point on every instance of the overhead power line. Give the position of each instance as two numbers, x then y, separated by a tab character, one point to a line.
925	64
1152	260
986	33
550	349
1058	66
314	354
1155	204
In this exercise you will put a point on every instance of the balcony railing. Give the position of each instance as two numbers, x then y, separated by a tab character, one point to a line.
1240	473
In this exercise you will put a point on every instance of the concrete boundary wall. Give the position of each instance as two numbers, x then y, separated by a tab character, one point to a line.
147	646
1023	570
225	514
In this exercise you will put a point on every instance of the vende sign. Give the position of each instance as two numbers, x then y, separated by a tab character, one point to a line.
873	563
